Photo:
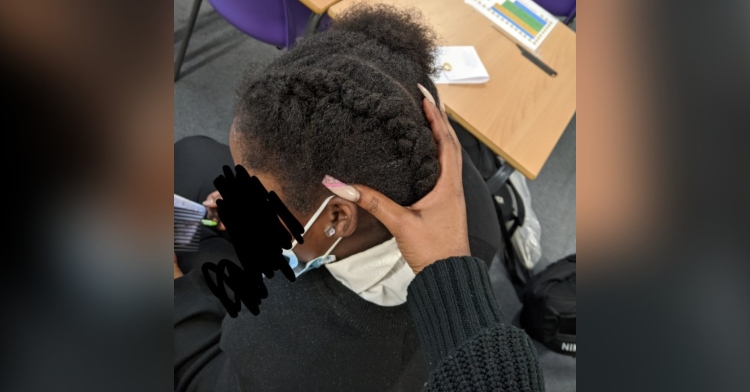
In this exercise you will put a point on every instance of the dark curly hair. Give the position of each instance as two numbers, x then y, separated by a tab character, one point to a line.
345	102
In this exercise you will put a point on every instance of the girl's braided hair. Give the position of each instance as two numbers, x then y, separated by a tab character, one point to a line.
345	102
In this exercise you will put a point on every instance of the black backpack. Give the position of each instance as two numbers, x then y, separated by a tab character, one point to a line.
549	306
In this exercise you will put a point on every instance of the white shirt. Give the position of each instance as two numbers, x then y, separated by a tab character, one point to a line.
379	274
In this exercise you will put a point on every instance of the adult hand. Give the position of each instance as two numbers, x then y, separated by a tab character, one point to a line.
212	211
435	227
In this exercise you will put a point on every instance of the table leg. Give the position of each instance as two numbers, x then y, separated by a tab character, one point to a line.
312	24
186	39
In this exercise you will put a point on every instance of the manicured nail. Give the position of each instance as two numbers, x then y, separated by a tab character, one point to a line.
340	189
207	203
426	94
442	106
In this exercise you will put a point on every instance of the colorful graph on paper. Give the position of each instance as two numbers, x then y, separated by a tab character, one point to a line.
524	20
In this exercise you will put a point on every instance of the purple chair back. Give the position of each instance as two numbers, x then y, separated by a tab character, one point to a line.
276	22
566	8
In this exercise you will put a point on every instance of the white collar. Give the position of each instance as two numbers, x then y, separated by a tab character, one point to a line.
379	274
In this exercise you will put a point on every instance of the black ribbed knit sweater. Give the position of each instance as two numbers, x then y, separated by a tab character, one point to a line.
466	343
315	334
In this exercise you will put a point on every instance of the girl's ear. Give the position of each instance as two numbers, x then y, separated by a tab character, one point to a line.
342	216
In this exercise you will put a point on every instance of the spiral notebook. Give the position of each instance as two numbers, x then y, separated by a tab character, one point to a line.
523	20
187	223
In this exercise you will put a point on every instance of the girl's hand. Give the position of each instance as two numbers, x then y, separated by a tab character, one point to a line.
435	227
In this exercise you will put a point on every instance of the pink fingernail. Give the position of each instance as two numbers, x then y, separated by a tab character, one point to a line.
340	189
426	94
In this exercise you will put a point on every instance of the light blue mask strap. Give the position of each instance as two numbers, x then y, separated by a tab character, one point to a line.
323	260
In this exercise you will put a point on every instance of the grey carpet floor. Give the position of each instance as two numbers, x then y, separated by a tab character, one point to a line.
203	105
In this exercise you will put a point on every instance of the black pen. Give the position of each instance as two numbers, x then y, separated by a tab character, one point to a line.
539	63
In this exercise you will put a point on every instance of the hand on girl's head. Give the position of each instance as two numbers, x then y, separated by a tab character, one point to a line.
435	227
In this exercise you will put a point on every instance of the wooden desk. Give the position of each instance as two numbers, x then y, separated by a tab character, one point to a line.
319	6
521	112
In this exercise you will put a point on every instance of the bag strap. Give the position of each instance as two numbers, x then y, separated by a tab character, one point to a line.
520	216
517	272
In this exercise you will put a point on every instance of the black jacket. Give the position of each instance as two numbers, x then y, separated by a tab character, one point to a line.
315	334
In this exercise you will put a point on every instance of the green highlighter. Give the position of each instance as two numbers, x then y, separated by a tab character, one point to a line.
208	222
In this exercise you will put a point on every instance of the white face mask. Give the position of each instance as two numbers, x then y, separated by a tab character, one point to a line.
318	261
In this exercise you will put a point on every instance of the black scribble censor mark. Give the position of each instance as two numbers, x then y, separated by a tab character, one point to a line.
251	215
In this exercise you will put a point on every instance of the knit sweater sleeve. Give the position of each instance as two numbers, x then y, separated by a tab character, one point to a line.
199	362
466	343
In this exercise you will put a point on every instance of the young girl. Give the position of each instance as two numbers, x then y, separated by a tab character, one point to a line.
343	105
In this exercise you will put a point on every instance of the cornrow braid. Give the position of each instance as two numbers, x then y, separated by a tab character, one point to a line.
348	107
